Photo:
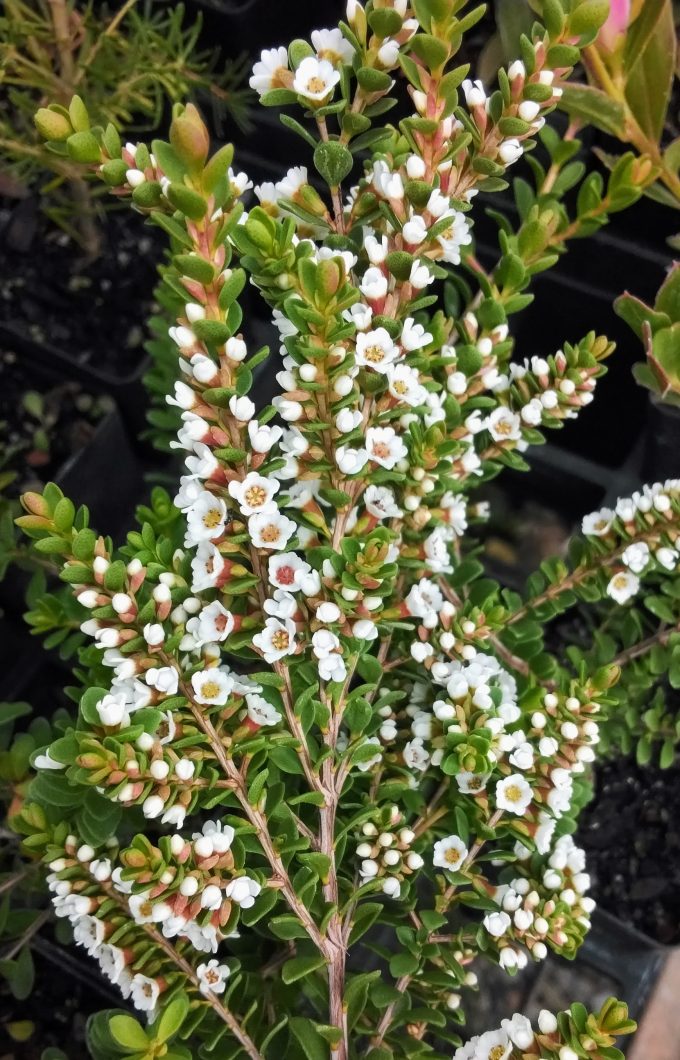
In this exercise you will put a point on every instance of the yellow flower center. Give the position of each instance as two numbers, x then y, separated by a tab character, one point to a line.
452	856
513	793
503	427
255	496
400	387
374	354
497	1053
316	84
210	689
620	581
270	533
280	640
212	518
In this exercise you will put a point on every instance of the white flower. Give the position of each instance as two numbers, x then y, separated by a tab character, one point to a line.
471	783
420	276
522	757
510	151
497	924
271	530
514	794
212	977
454	237
414	231
315	78
243	891
350	461
330	44
424	599
449	853
403	384
267	70
206	567
365	629
623	586
206	518
375	248
598	523
519	1031
144	992
492	1045
348	420
89	932
359	314
332	668
260	711
416	756
164	679
384	446
667	557
262	437
414	336
213	624
380	502
474	93
289	572
113	710
111	961
324	642
504	425
241	408
212	687
281	605
373	284
375	349
276	639
436	548
636	556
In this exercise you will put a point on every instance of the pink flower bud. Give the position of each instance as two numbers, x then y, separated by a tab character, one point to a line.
616	25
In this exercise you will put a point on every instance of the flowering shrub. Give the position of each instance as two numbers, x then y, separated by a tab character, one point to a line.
313	737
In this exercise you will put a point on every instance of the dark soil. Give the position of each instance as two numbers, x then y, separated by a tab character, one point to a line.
631	833
92	312
42	422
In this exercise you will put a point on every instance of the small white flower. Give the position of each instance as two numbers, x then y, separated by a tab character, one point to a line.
365	767
365	629
454	237
154	634
497	924
144	992
360	315
636	556
373	284
623	586
424	599
212	977
471	783
514	794
243	891
324	642
260	711
376	350
330	44
332	668
436	548
414	231
164	679
262	437
449	853
276	639
510	151
667	557
271	530
212	625
599	523
403	384
381	504
519	1031
89	932
212	687
113	710
420	276
281	605
474	93
315	79
416	756
350	461
289	572
111	961
206	567
414	336
268	69
504	425
384	446
206	518
241	408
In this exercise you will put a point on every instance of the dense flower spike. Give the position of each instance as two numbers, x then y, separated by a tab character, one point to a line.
306	673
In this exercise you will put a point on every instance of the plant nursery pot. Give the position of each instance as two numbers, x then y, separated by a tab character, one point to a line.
661	458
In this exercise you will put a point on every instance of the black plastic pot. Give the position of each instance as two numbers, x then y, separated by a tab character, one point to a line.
661	458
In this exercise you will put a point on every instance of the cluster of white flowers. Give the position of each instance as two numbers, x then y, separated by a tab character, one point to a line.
196	910
647	509
534	914
513	1034
386	855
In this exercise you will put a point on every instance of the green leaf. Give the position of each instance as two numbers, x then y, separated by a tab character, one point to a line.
313	1045
172	1019
188	202
299	967
333	161
650	78
594	107
128	1032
